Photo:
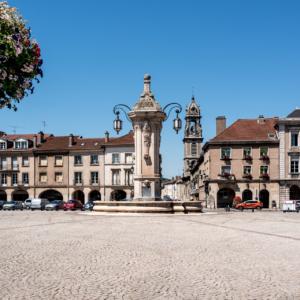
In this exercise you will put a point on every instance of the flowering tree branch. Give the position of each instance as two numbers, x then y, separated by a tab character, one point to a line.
20	58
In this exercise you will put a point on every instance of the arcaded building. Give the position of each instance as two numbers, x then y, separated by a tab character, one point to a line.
66	167
241	161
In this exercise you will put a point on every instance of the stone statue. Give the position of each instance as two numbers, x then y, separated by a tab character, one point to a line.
147	139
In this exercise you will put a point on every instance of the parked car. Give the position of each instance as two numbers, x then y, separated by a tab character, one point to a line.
73	205
13	205
2	202
298	206
38	203
88	206
27	203
250	204
55	205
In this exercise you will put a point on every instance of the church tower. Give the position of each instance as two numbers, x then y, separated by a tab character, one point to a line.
192	136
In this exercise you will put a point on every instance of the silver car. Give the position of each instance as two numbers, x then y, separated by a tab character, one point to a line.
55	205
13	205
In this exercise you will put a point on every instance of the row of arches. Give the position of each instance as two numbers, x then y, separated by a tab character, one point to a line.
22	195
226	196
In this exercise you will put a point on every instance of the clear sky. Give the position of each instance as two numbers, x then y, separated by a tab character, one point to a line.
241	57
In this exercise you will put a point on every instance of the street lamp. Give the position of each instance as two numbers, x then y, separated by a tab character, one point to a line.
177	123
118	122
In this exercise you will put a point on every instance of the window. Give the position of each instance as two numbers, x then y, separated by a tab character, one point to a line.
128	177
4	179
294	139
25	178
2	145
43	161
15	165
58	177
247	170
247	152
94	177
77	177
264	151
43	177
225	153
94	159
115	177
264	170
194	149
116	158
25	161
14	178
294	165
3	163
128	158
21	144
58	161
77	160
226	170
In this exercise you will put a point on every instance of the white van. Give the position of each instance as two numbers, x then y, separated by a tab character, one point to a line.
38	203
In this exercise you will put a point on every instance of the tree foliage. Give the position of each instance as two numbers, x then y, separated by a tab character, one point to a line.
20	58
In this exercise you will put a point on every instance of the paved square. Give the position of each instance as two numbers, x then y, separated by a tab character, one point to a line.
59	255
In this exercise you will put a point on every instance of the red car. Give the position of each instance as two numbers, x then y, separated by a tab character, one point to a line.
250	204
73	205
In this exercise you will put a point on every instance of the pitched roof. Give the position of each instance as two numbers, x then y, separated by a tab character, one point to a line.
249	130
294	114
61	143
13	137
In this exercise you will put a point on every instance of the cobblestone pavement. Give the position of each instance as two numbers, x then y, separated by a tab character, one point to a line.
70	255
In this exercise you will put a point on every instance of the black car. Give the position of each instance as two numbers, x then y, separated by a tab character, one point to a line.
297	206
88	206
2	202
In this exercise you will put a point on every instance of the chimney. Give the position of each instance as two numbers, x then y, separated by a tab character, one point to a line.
261	119
40	137
220	124
71	140
106	136
35	141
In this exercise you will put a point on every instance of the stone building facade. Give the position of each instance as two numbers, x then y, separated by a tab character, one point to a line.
241	161
289	155
66	167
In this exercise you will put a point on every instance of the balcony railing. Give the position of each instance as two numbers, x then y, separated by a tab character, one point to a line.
265	157
227	176
225	157
248	157
247	176
265	176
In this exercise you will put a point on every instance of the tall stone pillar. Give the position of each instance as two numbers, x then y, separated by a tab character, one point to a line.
147	117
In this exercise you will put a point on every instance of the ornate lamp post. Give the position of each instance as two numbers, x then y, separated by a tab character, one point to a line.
147	117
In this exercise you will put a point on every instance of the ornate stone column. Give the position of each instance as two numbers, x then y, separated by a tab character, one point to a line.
147	117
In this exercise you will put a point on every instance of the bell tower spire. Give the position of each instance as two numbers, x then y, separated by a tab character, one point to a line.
192	136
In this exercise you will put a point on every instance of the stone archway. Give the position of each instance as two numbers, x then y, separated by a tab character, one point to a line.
264	197
3	195
247	195
79	195
94	196
225	197
294	192
51	195
118	195
19	195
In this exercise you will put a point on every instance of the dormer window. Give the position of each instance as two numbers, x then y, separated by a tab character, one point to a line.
3	145
21	144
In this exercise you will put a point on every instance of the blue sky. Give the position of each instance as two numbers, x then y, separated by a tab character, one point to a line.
241	57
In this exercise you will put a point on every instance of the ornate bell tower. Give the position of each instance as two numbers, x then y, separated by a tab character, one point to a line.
192	136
